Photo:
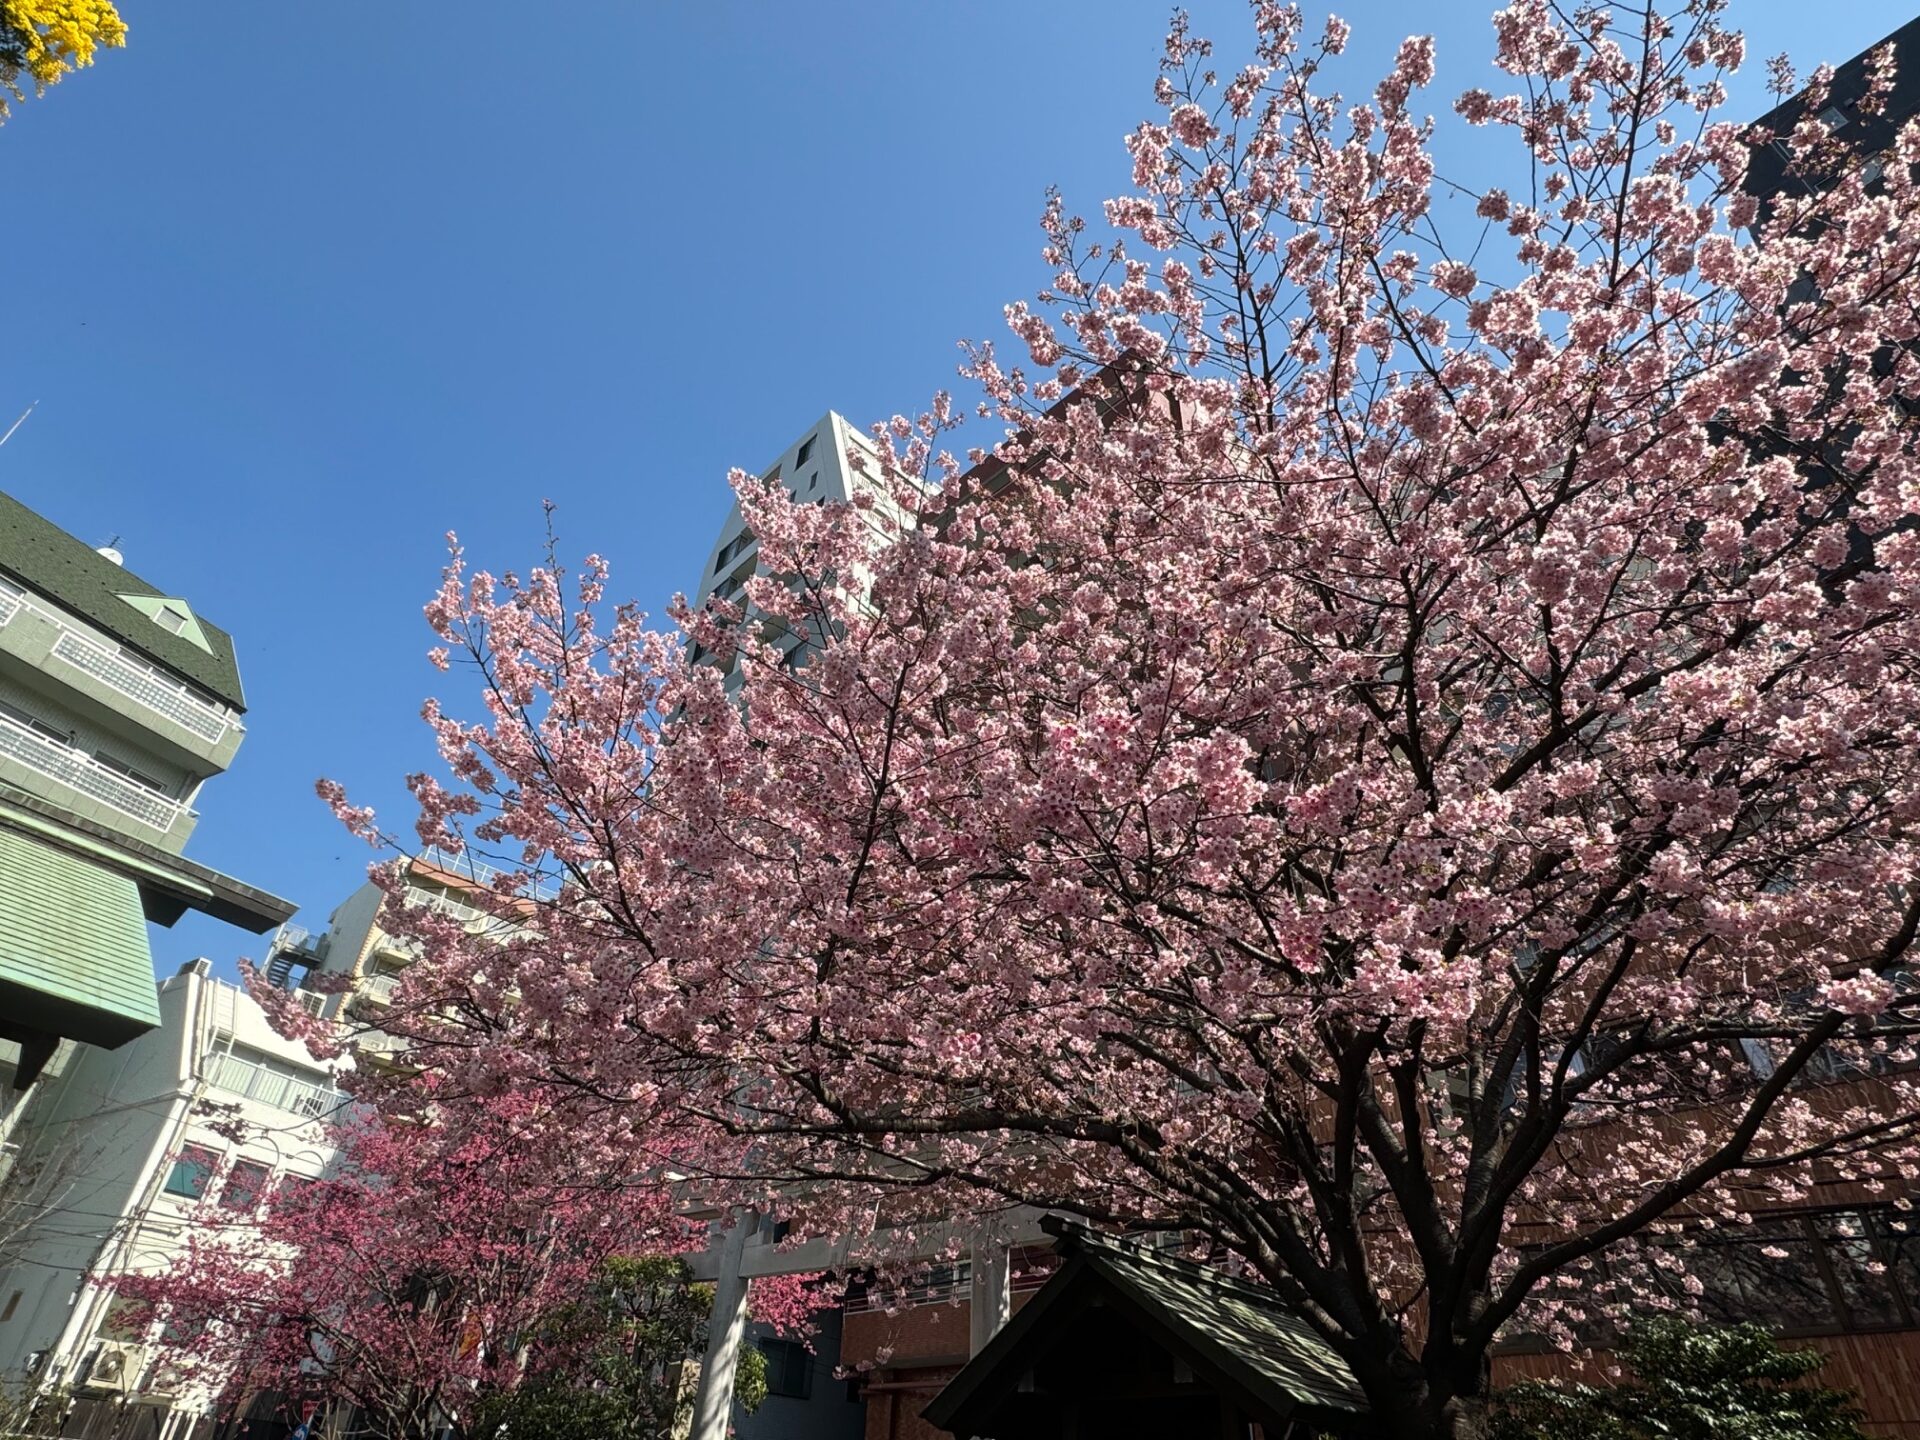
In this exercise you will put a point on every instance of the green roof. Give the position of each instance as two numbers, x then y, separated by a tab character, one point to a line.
75	576
73	946
1244	1336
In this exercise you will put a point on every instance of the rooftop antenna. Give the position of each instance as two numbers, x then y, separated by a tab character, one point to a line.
17	424
111	549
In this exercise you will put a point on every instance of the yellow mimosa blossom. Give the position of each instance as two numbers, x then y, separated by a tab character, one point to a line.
44	39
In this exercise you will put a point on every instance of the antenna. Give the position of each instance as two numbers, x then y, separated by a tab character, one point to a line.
17	424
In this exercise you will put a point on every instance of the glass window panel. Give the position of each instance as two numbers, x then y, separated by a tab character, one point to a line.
192	1172
244	1186
125	1318
1782	1290
1900	1238
1851	1255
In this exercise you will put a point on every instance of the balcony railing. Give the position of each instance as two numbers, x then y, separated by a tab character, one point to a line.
379	987
950	1284
141	685
270	1087
138	682
467	867
81	771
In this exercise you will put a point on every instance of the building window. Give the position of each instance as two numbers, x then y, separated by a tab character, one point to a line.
126	1319
735	546
297	1192
806	449
126	771
35	724
192	1172
789	1368
244	1187
170	620
1836	1271
13	1304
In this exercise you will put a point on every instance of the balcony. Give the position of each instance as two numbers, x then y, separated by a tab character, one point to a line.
465	866
269	1087
116	681
144	687
81	772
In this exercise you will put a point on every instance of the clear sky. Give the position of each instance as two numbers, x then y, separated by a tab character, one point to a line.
299	290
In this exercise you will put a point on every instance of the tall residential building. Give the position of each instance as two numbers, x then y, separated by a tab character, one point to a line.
117	703
1868	135
125	1153
814	469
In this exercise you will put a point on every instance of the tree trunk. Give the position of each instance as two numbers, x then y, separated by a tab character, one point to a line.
1465	1418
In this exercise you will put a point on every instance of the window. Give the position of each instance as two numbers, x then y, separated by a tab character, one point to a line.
13	1304
298	1191
813	482
734	547
181	1331
126	771
192	1172
125	1319
35	724
806	449
170	620
244	1187
789	1368
1839	1271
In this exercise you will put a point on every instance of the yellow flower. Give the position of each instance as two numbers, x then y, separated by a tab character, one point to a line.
45	39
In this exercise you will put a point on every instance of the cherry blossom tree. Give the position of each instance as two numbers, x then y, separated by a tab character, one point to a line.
410	1281
1399	760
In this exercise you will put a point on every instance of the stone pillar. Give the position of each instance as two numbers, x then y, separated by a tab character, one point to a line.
713	1401
991	1304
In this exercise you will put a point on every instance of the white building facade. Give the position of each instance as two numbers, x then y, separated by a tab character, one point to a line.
129	1150
830	461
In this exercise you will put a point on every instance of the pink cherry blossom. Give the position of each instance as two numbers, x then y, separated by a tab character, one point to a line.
1413	794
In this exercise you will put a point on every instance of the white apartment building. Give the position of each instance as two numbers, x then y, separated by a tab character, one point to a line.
357	945
119	1160
814	469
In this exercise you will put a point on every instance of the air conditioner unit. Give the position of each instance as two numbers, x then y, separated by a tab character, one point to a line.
115	1366
166	1380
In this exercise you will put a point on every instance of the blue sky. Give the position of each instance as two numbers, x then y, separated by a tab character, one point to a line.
300	290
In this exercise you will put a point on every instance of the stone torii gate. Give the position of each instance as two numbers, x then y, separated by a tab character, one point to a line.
746	1252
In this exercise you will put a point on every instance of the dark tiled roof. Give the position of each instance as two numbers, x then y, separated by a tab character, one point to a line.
71	573
1243	1334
